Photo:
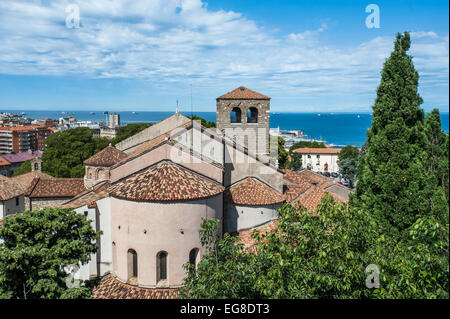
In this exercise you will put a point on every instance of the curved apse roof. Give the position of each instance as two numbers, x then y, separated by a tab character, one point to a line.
166	181
106	157
252	192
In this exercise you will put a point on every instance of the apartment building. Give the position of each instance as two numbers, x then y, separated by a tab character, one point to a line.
23	138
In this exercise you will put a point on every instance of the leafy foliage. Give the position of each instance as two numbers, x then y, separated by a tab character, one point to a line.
37	246
283	155
25	167
392	175
203	122
66	151
322	254
225	270
296	162
128	130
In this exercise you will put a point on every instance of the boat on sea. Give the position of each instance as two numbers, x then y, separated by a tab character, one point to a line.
318	114
92	113
359	116
133	113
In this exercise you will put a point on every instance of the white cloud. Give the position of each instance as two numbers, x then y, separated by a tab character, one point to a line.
181	41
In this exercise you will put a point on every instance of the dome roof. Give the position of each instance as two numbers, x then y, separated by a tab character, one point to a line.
166	181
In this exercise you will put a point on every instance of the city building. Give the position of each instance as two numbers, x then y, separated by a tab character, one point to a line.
319	159
15	160
23	138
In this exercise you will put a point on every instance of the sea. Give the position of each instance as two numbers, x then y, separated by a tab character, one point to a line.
336	129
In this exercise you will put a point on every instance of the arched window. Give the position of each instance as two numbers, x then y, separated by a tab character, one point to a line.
161	263
132	264
235	116
252	115
193	257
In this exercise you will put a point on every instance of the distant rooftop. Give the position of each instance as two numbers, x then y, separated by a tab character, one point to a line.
21	157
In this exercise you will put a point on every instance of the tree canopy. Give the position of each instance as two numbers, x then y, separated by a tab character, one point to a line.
203	122
392	175
66	151
25	167
37	246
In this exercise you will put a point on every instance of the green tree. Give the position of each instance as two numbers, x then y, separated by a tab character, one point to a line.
25	167
392	175
296	162
204	123
225	270
37	246
66	151
347	168
348	162
437	149
348	152
129	130
283	155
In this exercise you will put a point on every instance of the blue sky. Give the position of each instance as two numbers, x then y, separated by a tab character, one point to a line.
144	55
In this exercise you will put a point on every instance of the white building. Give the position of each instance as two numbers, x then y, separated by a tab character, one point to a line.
319	159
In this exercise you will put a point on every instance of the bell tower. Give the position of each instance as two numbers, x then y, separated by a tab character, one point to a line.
244	116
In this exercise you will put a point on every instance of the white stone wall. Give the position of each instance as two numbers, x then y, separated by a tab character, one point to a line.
9	207
238	218
318	164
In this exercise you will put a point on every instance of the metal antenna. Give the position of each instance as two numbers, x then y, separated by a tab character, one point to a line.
192	112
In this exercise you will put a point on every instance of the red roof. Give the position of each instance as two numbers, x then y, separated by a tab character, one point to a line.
4	162
242	93
252	192
310	150
110	288
166	181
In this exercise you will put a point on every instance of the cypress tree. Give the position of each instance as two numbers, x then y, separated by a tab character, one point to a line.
392	173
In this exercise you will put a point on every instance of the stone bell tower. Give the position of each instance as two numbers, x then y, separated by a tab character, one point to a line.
244	115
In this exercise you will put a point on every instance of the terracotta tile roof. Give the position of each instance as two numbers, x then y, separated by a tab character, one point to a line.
55	187
246	235
308	189
307	177
9	189
89	197
312	197
252	192
310	150
106	157
111	288
166	181
25	180
242	93
4	162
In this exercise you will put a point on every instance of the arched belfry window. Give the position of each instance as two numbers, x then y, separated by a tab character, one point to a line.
252	115
193	257
161	263
235	115
132	263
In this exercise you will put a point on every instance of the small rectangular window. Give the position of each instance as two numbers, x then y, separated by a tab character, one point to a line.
309	156
17	201
318	156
